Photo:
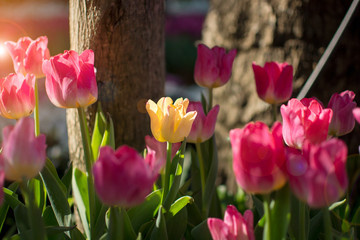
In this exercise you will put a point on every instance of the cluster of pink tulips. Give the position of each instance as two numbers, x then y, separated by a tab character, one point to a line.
295	166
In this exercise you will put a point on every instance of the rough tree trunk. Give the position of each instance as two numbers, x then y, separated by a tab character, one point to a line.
128	40
296	31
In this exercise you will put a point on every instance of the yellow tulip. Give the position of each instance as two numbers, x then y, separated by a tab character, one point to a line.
170	122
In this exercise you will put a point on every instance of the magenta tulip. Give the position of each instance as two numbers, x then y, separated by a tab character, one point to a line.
123	177
70	79
274	81
342	105
203	126
213	67
28	55
305	119
318	174
258	157
356	114
23	155
17	97
234	227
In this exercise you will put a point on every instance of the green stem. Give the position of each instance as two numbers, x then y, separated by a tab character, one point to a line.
267	228
274	112
166	185
327	224
88	162
302	220
36	110
202	177
210	99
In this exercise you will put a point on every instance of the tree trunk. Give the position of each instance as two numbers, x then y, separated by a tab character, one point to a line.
128	40
295	31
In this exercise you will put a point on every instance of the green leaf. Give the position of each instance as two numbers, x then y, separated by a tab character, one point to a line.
337	204
180	204
159	232
98	131
3	213
316	226
280	213
67	178
11	198
146	211
39	190
56	194
76	235
80	192
100	222
176	224
109	135
201	231
120	226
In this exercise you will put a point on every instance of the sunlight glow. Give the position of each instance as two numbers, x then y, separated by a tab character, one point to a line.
3	51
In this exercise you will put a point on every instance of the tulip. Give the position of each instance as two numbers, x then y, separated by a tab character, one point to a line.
2	179
356	114
170	122
305	119
234	227
23	155
17	97
273	81
342	105
213	66
318	174
28	55
70	79
203	126
258	157
122	177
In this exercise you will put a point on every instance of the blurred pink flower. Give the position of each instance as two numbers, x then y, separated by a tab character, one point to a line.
23	155
17	97
342	105
213	67
274	81
258	157
123	177
305	119
28	55
318	174
356	114
160	150
203	126
234	227
70	79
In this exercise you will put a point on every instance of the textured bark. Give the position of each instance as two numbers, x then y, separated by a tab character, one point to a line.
128	40
296	31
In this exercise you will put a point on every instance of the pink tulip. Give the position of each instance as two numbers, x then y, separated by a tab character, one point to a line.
318	175
70	79
203	126
23	155
234	226
213	66
2	179
123	177
356	114
273	81
160	149
28	55
342	105
17	97
305	119
258	157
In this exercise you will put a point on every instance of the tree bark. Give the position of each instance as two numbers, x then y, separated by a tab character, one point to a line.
295	31
128	40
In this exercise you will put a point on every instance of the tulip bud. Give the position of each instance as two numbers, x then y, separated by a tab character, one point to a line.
273	81
70	79
203	126
234	227
28	55
342	105
23	155
258	157
213	66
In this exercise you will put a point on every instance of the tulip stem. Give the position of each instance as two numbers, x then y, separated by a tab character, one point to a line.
327	224
267	228
274	112
202	178
210	99
36	110
166	185
302	220
88	162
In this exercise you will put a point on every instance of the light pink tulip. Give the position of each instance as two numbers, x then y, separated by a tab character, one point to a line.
70	79
213	66
28	55
342	105
23	155
17	97
203	126
273	81
234	227
123	177
318	174
160	149
305	119
258	157
356	114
